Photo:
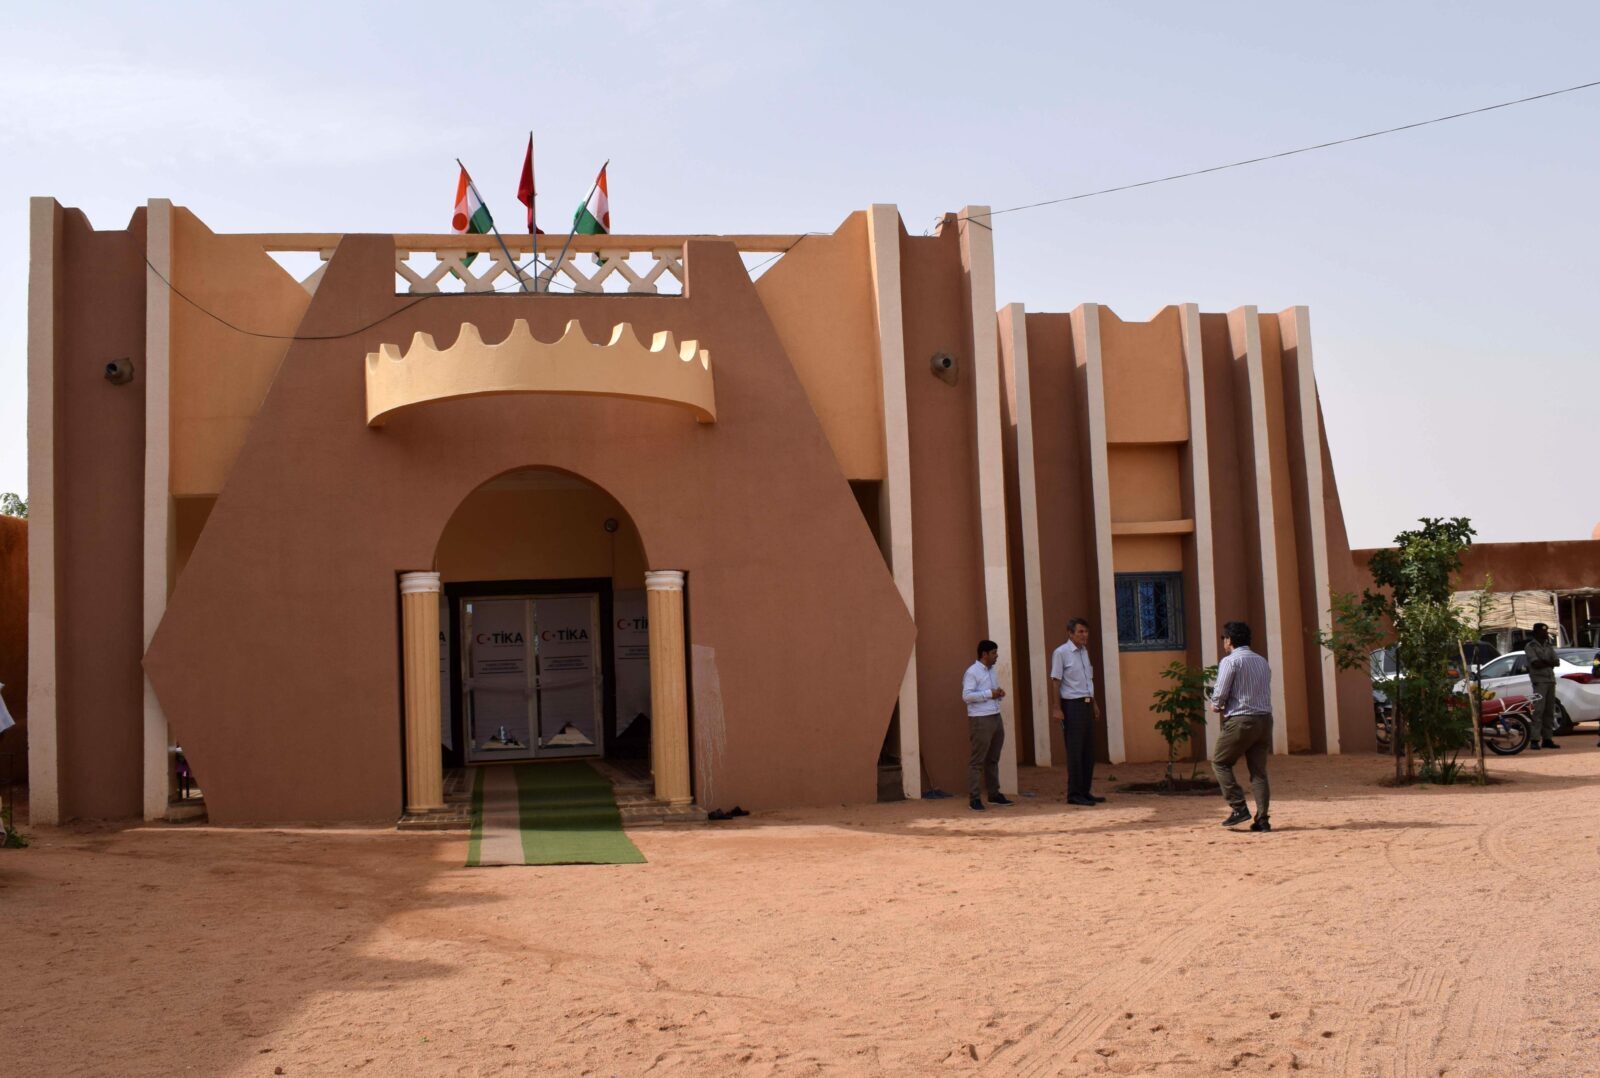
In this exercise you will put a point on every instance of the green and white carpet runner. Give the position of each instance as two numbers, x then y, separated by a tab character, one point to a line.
556	813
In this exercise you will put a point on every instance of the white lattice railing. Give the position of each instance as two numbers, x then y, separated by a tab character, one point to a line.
662	271
638	265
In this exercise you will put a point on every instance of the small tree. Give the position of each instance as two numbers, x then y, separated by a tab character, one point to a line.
1474	615
1427	629
10	837
1182	706
12	505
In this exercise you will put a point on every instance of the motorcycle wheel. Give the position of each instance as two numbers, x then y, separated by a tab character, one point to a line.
1507	737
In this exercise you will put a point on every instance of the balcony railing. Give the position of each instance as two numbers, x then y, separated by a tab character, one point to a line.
638	265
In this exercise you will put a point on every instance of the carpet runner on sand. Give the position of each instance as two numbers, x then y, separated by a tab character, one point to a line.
556	813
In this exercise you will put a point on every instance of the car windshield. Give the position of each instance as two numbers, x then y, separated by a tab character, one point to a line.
1577	656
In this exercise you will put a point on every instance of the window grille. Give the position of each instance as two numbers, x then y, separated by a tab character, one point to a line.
1150	611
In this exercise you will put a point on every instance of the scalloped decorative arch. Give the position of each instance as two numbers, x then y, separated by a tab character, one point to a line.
665	371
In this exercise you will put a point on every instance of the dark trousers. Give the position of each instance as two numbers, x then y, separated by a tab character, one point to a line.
1077	725
983	768
1249	736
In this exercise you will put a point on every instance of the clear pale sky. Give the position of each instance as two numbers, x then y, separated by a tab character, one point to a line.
1453	273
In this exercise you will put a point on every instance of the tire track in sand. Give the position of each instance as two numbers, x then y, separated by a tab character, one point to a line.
1483	1011
1048	1045
1494	1008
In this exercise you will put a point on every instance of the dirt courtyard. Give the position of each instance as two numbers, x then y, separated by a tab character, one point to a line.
1376	931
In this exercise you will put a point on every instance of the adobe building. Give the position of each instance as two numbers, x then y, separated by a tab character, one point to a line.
337	535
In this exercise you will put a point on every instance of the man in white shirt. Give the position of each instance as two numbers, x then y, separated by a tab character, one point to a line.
983	694
1072	702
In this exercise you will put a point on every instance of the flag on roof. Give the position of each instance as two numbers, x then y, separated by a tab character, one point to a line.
525	190
594	217
471	216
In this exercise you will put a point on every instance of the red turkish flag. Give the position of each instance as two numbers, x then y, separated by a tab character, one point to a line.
525	191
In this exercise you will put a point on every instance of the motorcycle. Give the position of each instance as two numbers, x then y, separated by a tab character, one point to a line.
1506	730
1504	723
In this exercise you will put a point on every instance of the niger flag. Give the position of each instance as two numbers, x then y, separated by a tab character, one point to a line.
471	216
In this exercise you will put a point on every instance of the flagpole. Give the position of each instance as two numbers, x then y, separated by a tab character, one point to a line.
563	256
496	230
533	217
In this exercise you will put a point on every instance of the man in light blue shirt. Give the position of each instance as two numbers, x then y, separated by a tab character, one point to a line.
985	727
1243	697
1072	703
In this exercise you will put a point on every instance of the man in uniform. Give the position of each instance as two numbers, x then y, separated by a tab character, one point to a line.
1541	656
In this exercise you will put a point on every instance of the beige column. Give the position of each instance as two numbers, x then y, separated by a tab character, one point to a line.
44	231
669	695
159	550
977	262
1244	330
1014	354
1296	334
894	509
1086	345
419	617
1194	369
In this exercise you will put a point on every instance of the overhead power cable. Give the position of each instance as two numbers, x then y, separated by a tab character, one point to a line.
976	218
1286	153
213	315
569	289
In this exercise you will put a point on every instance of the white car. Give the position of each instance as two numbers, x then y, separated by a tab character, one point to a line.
1577	693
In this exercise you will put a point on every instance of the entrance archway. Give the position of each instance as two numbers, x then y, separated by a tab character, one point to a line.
540	633
544	638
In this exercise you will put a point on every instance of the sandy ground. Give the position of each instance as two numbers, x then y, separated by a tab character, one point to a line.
1377	931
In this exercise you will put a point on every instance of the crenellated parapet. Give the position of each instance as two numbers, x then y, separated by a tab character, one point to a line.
663	371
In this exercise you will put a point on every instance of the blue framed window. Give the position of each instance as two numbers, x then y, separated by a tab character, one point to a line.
1150	611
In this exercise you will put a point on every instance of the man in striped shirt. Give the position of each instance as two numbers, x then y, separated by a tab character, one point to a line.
1243	697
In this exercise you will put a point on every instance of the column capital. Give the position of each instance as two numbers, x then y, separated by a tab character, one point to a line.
413	583
663	580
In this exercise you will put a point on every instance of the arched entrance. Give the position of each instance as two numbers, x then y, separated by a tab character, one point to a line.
546	636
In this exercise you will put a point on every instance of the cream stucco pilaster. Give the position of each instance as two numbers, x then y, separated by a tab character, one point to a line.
1296	324
977	263
1086	344
44	770
158	532
419	634
669	697
1014	337
1244	329
1200	482
894	525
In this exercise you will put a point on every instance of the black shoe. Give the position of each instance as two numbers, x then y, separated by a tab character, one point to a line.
1085	801
1001	799
1095	799
977	806
1534	746
1236	817
1262	824
1548	743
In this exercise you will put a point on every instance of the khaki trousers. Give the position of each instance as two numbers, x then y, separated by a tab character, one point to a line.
1249	736
983	768
1542	726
